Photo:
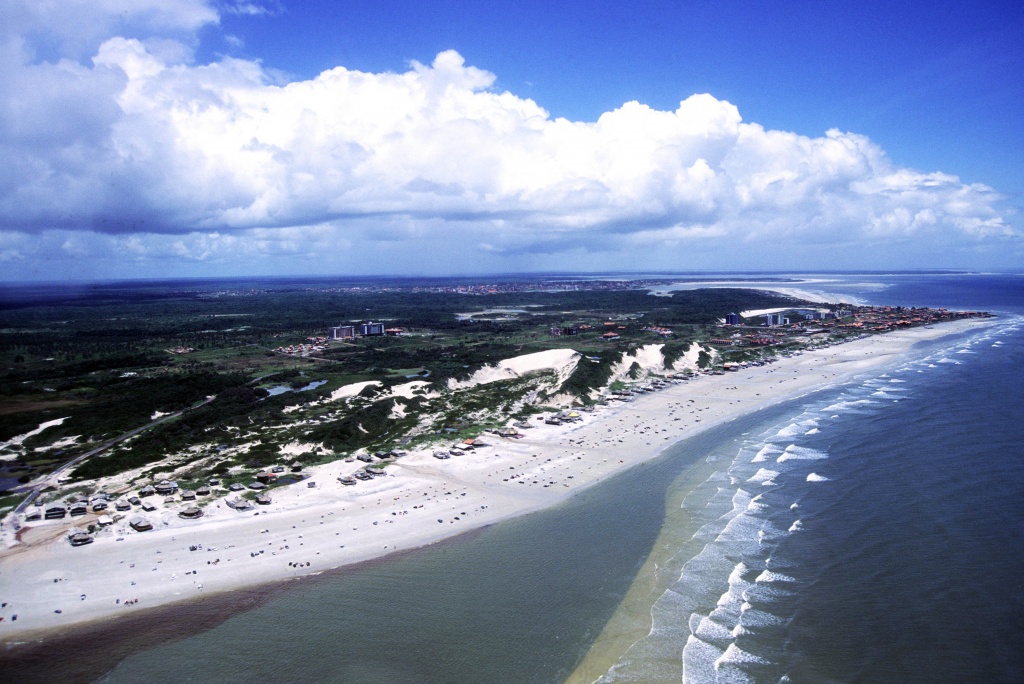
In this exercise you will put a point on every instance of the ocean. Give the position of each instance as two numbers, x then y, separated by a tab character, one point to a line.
875	534
871	532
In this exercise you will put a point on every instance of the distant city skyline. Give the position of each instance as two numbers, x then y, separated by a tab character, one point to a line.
219	138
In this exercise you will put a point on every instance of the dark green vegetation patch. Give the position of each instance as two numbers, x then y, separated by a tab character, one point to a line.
113	358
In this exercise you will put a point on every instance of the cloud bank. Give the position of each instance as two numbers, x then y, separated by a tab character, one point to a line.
136	152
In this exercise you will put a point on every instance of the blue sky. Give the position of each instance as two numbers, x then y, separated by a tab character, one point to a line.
200	138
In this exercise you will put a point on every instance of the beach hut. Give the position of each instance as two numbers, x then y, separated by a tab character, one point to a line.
140	524
56	511
203	491
349	481
165	487
79	538
148	490
104	521
122	505
239	504
148	507
376	471
236	487
34	515
296	467
263	499
188	495
78	509
134	500
191	513
257	485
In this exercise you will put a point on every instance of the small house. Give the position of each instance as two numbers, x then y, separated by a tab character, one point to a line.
140	524
188	495
191	513
79	538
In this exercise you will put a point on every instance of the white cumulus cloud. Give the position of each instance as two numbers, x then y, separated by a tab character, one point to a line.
138	140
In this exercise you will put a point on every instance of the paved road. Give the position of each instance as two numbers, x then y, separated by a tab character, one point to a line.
55	475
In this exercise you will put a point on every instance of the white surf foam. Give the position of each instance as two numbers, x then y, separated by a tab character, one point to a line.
763	475
815	477
769	576
765	453
796	453
734	655
849	405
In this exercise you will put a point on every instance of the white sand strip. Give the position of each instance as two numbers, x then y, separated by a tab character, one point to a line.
421	501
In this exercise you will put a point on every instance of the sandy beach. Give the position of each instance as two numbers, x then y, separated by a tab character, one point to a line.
49	584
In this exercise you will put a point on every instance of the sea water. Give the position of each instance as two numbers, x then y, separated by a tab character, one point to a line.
870	532
876	534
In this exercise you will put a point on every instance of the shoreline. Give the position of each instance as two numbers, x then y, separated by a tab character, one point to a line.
422	502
